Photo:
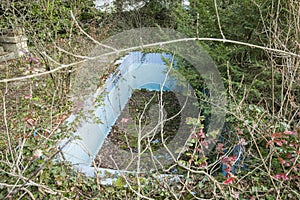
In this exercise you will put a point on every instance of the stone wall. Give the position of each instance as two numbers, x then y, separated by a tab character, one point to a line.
13	44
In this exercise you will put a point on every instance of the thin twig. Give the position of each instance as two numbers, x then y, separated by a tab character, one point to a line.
90	37
218	19
38	170
128	184
63	66
6	125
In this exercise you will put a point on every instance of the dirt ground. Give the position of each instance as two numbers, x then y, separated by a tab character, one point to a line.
122	139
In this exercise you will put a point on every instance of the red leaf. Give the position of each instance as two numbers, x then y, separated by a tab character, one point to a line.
279	143
228	160
290	132
243	142
194	136
287	164
201	133
204	144
220	147
203	164
282	176
228	169
229	181
277	135
281	160
292	144
289	156
239	132
270	142
28	96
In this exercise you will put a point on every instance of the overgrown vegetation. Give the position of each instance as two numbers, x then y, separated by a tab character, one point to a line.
262	113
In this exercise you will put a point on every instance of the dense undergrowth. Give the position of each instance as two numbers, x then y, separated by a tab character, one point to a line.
262	113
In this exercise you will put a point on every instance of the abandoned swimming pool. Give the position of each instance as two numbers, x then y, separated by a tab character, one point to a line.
137	71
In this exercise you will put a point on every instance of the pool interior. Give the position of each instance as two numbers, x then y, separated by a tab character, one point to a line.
143	107
137	71
138	74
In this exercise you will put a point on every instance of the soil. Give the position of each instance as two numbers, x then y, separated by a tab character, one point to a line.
143	108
